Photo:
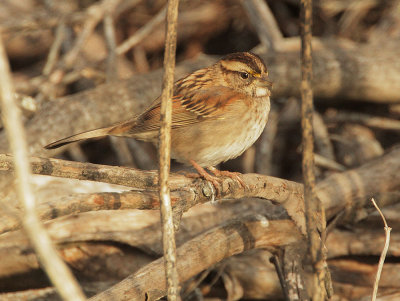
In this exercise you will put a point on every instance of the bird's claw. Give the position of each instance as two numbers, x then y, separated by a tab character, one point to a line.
230	174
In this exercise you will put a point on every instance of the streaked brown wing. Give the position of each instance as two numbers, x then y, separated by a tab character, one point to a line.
209	102
187	109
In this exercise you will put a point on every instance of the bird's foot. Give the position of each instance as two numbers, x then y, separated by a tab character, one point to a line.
202	173
215	179
230	174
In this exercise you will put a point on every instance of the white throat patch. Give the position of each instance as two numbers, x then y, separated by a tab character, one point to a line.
261	92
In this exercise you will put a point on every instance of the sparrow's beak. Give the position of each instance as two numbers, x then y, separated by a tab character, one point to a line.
264	86
266	82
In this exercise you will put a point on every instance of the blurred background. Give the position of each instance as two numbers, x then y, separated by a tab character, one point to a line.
64	51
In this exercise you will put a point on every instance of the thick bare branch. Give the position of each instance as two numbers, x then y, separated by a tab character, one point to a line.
341	191
195	190
117	226
221	242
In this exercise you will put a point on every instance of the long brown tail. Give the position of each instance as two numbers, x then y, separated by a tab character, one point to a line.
78	137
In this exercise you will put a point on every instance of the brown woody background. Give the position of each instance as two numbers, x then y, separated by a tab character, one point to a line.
72	72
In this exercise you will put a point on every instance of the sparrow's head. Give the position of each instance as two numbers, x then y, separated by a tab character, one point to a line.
245	72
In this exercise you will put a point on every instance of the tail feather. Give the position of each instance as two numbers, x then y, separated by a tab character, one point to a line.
98	133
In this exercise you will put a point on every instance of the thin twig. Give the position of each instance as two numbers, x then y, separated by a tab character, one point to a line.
95	14
278	267
314	213
383	254
55	268
169	246
120	146
142	33
322	141
61	74
55	49
328	163
376	122
109	33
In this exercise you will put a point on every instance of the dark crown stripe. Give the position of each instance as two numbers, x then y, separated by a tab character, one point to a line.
246	58
225	70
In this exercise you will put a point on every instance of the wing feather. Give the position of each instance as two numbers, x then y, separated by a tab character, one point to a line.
187	109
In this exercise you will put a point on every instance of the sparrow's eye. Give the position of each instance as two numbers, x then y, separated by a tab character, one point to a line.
244	75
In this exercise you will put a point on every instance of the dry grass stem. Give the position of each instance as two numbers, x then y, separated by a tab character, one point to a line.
109	33
142	32
383	254
55	268
55	49
95	14
169	246
314	212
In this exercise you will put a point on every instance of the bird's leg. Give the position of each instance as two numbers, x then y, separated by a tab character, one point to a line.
206	176
225	173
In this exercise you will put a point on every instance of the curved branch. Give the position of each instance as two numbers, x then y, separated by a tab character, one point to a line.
194	191
207	249
348	190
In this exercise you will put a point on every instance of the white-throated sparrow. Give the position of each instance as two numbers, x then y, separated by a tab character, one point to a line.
217	113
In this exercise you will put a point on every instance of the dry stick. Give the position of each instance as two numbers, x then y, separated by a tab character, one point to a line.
383	254
339	191
322	140
205	250
109	33
142	33
95	14
327	163
126	5
46	84
117	226
264	22
55	49
314	213
120	146
377	122
55	268
125	176
164	152
191	191
31	294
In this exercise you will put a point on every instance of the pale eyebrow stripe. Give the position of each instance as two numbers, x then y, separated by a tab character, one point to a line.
238	66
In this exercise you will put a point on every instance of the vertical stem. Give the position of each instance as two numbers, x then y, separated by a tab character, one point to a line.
164	152
383	254
109	32
315	219
56	269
